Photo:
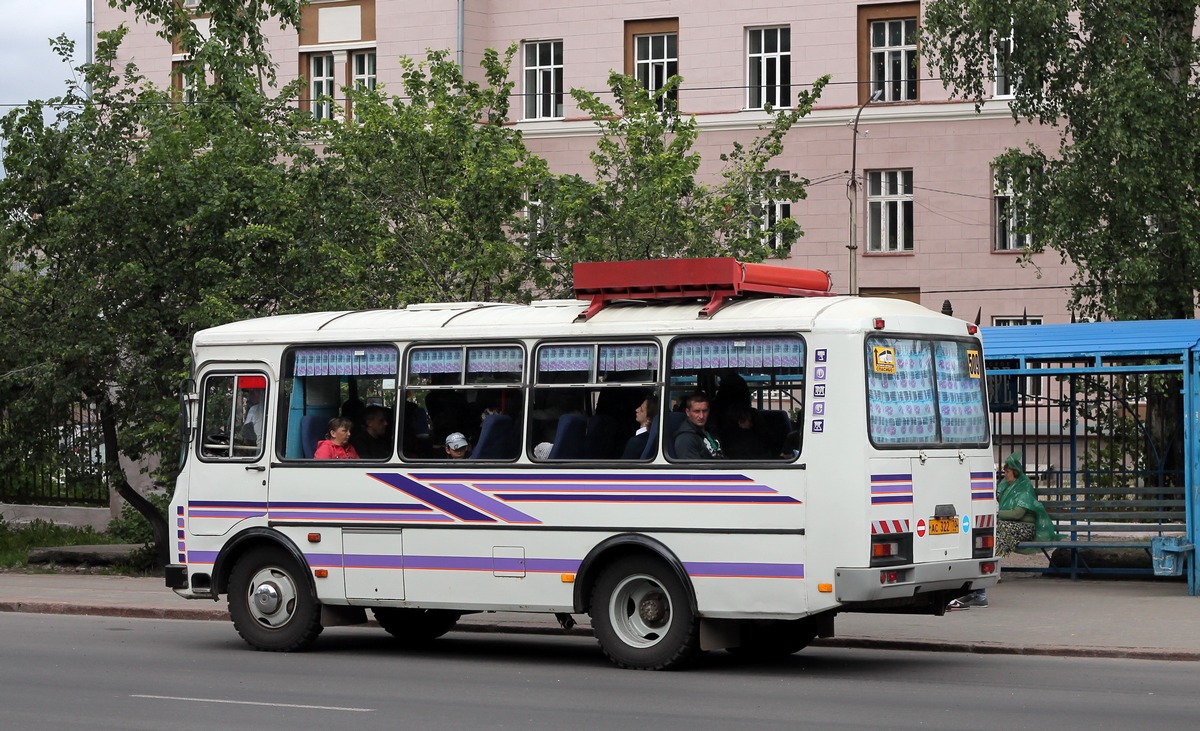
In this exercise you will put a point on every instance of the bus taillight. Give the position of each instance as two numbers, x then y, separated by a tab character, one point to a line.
884	550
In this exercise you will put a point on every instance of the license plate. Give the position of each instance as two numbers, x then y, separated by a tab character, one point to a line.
942	526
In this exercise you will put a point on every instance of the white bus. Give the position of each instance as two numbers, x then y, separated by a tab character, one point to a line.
856	472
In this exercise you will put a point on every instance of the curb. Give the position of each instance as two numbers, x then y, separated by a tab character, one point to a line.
866	643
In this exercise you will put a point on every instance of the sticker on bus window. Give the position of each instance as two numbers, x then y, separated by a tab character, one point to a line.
883	359
974	364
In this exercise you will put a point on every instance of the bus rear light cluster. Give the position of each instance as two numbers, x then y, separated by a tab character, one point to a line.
985	542
884	550
891	576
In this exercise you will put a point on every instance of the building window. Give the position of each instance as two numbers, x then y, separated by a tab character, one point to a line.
544	80
1008	220
887	51
183	81
321	86
772	212
1002	84
364	69
769	67
890	211
652	52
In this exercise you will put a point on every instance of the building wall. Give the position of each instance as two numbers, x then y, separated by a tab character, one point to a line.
945	142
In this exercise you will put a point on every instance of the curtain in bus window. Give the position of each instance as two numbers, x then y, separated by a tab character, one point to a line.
494	364
900	391
345	362
567	359
738	353
616	358
436	360
960	392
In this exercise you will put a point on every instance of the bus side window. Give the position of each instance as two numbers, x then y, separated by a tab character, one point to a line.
233	417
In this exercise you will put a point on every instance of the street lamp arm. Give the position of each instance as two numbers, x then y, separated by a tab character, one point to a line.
852	191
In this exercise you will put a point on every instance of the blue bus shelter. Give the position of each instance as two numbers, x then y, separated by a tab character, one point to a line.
1107	412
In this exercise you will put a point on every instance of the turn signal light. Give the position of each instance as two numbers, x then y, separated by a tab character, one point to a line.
314	537
321	573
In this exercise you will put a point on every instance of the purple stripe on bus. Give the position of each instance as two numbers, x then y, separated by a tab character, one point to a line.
745	570
433	497
373	561
202	556
350	506
558	476
225	514
898	489
891	478
614	486
227	504
489	563
485	503
890	499
348	515
982	496
534	497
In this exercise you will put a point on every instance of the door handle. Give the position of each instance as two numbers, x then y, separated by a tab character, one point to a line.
255	468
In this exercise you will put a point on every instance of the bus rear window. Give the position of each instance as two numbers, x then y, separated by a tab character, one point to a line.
925	392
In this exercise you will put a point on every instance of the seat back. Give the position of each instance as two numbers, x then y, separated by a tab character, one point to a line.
312	430
651	442
674	421
495	438
603	440
568	438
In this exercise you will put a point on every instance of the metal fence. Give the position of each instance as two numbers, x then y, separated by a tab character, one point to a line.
59	466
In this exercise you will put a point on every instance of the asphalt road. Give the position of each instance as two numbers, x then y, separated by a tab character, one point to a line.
71	672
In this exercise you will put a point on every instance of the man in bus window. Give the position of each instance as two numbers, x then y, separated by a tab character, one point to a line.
374	440
693	440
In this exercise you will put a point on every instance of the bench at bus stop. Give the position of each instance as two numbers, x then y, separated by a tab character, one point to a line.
1100	523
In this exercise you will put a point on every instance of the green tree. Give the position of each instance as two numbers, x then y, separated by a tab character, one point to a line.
132	221
420	195
644	202
1118	80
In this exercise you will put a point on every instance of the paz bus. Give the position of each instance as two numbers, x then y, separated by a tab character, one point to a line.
857	474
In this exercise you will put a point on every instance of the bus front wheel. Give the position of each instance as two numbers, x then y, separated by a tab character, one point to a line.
641	616
272	605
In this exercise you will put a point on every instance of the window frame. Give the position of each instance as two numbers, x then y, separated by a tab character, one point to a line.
665	27
1006	218
537	98
235	375
779	94
367	77
321	109
879	206
868	14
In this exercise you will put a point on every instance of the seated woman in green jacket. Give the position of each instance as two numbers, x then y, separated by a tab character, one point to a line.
1021	518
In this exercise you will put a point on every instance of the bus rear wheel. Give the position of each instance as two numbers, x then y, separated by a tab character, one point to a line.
273	606
415	627
641	615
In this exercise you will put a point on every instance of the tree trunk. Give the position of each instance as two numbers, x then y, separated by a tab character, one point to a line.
112	459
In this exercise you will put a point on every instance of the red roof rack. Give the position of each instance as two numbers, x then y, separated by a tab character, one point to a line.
716	279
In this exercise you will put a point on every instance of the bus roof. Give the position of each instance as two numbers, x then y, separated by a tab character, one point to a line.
563	318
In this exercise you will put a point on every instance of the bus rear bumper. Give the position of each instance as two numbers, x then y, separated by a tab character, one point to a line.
913	580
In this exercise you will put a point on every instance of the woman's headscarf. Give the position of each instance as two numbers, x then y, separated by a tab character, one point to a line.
1020	494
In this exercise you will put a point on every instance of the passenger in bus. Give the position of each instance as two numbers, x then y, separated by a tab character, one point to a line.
374	440
252	424
644	415
745	436
336	444
457	446
693	440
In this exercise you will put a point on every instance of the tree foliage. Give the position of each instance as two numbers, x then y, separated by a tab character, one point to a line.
643	200
422	194
1119	197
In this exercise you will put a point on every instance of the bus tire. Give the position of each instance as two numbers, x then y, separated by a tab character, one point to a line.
415	627
641	615
775	639
273	606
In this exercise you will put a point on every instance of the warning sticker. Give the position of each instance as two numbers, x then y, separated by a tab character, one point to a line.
883	359
974	364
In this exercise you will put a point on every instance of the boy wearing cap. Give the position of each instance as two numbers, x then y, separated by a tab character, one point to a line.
457	446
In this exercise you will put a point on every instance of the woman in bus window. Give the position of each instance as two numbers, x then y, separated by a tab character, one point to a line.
336	444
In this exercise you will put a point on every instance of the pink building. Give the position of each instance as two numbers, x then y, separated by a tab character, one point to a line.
928	223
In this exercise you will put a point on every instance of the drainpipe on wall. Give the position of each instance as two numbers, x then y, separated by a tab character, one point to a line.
461	13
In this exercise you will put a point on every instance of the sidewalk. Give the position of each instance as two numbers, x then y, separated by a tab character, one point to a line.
1029	614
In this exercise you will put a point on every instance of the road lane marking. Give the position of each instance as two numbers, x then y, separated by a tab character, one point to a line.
254	703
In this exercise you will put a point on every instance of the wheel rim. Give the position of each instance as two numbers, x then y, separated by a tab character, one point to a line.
271	597
640	609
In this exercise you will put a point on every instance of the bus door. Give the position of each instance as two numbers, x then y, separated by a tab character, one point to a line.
941	488
228	479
